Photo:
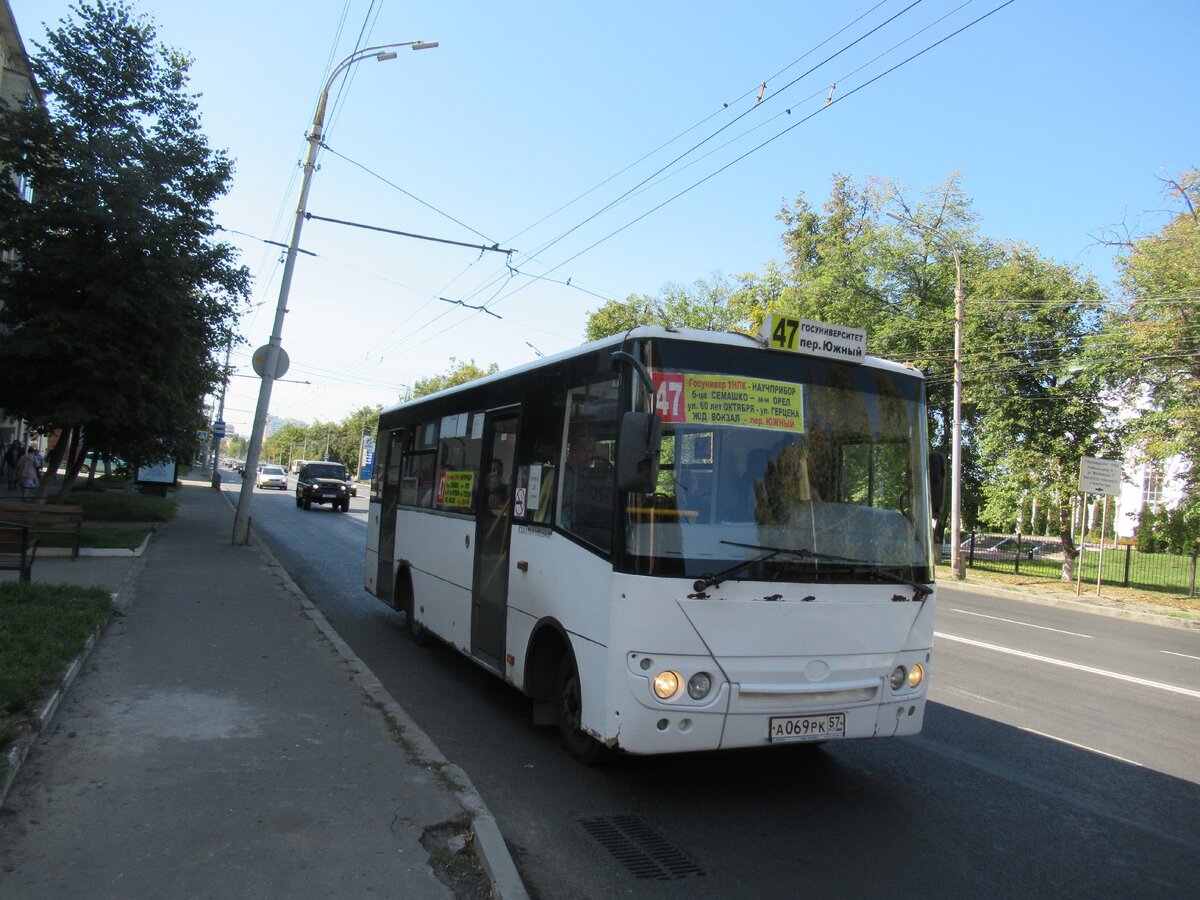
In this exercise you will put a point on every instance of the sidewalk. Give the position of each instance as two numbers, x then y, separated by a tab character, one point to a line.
222	741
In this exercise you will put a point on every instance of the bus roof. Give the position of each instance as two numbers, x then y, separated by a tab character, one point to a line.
647	332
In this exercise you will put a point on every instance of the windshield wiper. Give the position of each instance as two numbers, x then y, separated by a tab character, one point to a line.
708	581
858	567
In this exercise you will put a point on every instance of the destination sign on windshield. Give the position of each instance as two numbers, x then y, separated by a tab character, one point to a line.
695	398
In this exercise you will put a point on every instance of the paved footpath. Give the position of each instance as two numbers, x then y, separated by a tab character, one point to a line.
222	741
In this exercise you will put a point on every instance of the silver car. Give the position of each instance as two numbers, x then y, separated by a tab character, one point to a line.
273	477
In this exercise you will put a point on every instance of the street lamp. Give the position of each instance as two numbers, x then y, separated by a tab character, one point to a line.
382	53
956	561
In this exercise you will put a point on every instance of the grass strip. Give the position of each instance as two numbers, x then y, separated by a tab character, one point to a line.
42	627
110	506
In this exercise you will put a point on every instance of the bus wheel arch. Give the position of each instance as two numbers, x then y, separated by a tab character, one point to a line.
404	600
547	645
552	680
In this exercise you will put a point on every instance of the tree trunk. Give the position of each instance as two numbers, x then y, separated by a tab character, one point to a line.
1070	551
75	458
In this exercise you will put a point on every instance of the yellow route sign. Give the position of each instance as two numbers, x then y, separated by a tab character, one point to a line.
815	338
701	399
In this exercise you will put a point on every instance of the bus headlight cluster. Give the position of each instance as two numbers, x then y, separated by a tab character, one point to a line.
910	677
699	685
666	685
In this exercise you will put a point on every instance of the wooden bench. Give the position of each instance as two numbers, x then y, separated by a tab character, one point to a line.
45	518
17	549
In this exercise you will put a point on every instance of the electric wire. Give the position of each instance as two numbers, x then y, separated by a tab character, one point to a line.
844	96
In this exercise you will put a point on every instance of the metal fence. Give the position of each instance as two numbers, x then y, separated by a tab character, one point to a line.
1042	557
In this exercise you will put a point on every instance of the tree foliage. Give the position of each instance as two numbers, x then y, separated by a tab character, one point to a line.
1157	330
458	373
116	295
714	305
341	440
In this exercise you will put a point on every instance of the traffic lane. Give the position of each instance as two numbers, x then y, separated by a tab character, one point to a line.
856	817
1096	681
1146	724
1159	653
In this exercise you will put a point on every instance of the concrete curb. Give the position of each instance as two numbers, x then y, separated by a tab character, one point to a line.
489	842
59	552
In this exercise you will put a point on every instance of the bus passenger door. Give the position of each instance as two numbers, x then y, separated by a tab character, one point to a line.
493	517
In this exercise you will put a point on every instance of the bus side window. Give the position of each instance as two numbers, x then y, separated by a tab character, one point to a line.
539	452
589	489
416	472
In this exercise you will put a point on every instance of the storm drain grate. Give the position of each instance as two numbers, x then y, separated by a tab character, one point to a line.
645	852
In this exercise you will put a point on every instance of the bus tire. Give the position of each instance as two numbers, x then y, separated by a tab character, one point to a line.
568	700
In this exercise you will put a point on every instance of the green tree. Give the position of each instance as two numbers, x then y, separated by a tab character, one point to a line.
458	373
1039	405
117	298
1157	332
713	305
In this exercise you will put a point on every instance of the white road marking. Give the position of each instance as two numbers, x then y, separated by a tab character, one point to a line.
1144	682
1184	655
1132	762
967	612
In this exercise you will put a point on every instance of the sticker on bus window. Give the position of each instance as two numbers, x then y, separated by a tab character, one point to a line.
455	488
695	398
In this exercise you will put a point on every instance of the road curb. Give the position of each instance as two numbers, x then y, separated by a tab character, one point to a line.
489	842
1079	605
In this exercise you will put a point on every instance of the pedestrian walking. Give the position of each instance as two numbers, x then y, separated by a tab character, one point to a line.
11	456
27	472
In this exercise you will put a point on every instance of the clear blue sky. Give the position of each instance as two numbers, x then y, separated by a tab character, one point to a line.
1061	116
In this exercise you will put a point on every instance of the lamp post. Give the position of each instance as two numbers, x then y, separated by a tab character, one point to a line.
956	559
382	53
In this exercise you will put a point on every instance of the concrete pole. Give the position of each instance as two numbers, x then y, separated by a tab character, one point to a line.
241	522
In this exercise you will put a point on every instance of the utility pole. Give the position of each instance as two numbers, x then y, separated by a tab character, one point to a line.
214	441
957	563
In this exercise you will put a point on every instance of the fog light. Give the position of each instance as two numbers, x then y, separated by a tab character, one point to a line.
699	685
666	685
898	676
916	676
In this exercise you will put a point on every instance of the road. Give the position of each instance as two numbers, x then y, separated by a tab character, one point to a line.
1060	757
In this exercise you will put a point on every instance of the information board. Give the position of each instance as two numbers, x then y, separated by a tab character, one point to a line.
1100	476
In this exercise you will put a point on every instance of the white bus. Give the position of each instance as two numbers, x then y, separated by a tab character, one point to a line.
672	540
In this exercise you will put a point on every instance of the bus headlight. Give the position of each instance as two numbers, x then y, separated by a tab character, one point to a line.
699	685
916	676
898	676
666	685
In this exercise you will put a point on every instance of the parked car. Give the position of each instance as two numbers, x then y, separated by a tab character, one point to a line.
322	482
272	476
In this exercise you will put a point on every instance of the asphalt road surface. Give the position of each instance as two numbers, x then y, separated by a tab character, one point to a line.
1060	757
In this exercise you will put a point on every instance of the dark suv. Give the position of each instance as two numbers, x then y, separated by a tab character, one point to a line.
322	482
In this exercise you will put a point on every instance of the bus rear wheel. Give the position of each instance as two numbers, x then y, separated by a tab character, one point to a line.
568	697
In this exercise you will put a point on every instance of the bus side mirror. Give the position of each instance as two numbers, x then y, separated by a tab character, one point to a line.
637	452
937	483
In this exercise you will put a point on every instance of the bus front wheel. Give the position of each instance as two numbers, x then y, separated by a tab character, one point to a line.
568	695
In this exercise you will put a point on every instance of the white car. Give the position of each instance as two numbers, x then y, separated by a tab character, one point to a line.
272	476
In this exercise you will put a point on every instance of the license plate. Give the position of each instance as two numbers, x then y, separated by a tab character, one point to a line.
807	728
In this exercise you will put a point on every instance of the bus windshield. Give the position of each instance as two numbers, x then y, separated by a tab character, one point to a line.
785	468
